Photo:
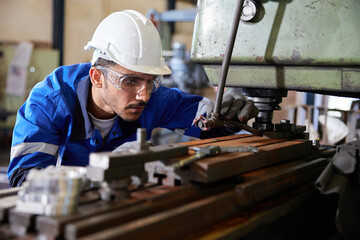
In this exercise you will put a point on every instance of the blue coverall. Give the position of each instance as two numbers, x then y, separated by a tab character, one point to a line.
54	123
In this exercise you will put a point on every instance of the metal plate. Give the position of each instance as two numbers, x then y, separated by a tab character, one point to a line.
304	32
296	45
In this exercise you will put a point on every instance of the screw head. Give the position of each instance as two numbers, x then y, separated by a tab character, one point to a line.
249	10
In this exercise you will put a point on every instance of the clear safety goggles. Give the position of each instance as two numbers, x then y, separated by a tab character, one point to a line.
131	82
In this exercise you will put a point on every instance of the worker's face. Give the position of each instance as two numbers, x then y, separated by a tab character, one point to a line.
129	98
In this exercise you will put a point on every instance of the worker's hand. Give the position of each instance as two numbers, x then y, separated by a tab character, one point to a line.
235	106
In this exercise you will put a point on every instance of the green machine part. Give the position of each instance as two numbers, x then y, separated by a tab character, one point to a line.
303	45
42	62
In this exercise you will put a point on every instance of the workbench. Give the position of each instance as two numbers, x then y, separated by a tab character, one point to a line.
228	196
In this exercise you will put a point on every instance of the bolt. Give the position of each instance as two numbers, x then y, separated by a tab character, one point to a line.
141	135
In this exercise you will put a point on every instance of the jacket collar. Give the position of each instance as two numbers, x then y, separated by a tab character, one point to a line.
82	127
82	91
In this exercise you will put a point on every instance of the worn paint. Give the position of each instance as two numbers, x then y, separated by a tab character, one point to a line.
307	45
307	33
301	78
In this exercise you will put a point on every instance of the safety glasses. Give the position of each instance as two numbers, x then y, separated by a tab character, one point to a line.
131	82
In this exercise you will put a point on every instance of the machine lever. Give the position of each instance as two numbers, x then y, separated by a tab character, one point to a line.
206	124
227	57
215	120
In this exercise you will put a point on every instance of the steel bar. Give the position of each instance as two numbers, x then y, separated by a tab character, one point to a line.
203	173
164	212
234	124
290	175
241	139
246	222
227	57
175	222
21	223
226	165
109	160
251	175
54	227
6	203
104	221
9	192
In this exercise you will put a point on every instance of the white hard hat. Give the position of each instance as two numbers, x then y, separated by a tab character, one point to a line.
131	40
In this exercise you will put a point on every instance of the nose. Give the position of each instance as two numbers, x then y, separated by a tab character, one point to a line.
143	94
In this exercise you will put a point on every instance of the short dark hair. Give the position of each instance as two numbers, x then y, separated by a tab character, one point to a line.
103	62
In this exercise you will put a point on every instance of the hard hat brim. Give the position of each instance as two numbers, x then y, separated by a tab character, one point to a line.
165	70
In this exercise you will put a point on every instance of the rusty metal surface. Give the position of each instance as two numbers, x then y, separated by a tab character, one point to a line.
282	49
303	32
166	225
277	180
246	222
167	212
54	226
115	165
151	206
21	223
9	192
6	203
107	160
226	165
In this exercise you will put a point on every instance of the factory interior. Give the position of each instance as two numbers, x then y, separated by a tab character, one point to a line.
289	172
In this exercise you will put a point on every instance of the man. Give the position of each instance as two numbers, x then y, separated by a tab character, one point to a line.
86	108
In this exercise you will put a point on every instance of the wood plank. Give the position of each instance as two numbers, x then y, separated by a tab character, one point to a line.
176	222
211	169
101	222
228	141
245	222
285	176
54	227
249	140
216	140
321	153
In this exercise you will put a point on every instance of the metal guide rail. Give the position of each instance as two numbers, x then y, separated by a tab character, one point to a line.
235	191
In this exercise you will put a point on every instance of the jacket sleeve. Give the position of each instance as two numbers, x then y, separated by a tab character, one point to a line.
36	138
176	111
18	176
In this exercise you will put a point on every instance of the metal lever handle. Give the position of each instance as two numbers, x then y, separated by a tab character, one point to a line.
215	120
227	57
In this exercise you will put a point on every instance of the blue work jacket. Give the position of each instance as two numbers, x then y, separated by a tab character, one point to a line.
54	123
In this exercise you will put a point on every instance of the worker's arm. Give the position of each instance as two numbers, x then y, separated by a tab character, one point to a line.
19	175
35	142
176	111
45	122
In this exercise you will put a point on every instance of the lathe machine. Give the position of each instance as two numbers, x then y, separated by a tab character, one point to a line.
247	186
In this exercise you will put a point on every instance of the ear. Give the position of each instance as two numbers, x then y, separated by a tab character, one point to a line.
96	77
